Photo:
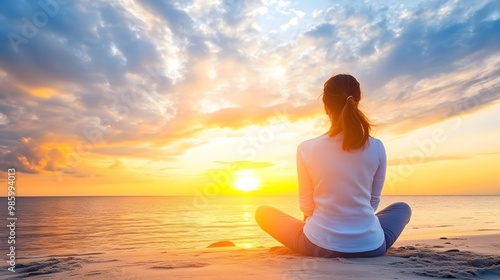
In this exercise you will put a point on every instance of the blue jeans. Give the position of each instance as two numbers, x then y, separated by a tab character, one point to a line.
289	231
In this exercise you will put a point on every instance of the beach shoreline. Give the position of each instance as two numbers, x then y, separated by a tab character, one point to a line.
463	257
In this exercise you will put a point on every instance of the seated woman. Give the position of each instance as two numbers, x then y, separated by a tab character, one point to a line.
341	174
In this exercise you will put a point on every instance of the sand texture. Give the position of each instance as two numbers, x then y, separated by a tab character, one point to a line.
466	257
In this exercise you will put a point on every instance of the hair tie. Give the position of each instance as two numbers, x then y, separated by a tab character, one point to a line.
350	96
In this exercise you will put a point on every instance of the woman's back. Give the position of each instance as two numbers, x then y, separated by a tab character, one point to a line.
337	187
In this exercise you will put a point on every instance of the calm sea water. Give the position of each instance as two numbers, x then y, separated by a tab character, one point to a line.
68	225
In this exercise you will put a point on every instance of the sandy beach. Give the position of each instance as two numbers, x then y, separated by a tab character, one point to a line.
464	257
136	134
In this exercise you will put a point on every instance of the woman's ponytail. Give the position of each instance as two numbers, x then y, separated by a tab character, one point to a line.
341	97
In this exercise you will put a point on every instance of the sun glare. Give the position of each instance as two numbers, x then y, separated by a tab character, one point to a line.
246	181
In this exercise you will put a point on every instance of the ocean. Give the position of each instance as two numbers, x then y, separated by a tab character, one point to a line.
77	225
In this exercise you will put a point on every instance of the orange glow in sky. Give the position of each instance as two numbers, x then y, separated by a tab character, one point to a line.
215	100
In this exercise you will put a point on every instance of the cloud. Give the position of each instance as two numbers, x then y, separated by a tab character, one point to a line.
24	155
325	30
421	160
116	165
427	159
435	99
128	78
3	119
247	164
151	153
424	49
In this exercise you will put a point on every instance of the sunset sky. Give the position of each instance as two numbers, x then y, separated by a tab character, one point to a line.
189	97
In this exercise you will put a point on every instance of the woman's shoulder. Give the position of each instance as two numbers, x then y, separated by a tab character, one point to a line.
322	143
375	142
320	138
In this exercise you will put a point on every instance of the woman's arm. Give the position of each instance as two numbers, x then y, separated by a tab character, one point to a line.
378	179
306	189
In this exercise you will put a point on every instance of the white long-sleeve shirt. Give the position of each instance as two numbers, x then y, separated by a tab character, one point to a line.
340	192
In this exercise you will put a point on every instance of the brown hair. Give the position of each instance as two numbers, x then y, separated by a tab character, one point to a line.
341	96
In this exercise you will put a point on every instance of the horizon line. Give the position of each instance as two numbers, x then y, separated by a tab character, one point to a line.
232	195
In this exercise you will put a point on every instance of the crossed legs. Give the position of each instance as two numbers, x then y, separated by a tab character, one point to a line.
288	230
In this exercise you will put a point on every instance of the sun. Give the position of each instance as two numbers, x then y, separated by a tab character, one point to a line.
246	180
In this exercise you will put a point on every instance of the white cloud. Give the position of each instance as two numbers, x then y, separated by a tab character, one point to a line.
210	56
3	119
292	22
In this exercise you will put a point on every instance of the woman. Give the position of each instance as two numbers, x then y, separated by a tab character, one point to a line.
341	174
